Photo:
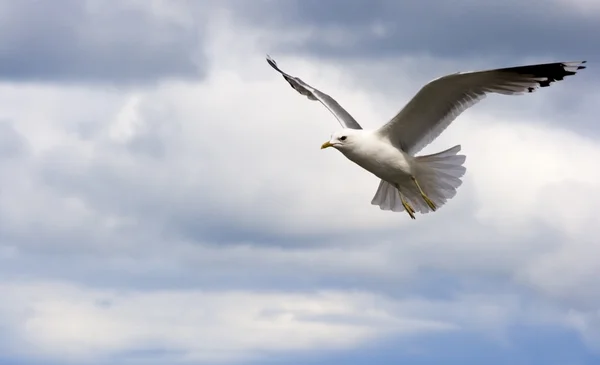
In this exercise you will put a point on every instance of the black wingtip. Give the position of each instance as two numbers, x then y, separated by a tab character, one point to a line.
549	72
272	63
270	60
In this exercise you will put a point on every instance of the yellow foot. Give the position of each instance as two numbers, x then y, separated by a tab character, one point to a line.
428	201
409	209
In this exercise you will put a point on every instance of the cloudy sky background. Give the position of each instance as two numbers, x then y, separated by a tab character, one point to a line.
163	198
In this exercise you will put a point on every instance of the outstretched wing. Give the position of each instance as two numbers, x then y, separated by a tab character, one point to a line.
345	119
439	102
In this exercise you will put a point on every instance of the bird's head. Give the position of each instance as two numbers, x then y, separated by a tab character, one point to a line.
343	139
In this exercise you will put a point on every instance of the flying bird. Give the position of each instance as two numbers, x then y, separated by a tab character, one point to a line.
424	183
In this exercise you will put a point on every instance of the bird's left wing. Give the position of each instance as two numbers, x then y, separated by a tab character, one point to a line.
345	119
440	101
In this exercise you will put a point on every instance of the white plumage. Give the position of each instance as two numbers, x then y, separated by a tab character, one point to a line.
424	183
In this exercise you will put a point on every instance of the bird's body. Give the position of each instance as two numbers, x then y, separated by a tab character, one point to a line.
376	155
423	183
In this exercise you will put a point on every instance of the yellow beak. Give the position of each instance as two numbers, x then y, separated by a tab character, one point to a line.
326	144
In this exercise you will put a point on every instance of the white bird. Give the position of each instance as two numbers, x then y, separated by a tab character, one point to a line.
424	183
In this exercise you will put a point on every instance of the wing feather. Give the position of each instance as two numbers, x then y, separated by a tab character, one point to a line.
439	102
345	119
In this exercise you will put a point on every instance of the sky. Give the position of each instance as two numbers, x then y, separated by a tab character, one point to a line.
163	197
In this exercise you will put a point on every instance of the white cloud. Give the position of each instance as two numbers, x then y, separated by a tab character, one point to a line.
67	322
523	173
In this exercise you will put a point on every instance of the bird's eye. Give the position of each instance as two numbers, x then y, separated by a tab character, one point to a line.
342	138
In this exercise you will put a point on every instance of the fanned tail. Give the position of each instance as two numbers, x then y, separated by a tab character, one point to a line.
439	175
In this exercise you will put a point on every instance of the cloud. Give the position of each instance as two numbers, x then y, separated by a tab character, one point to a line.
539	182
63	321
11	142
465	30
198	219
125	43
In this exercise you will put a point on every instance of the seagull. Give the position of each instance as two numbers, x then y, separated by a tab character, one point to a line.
424	183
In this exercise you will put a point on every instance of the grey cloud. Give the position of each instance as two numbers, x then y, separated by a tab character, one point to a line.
441	29
85	41
149	261
12	143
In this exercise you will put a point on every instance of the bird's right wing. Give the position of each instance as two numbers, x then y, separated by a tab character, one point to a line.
440	101
345	119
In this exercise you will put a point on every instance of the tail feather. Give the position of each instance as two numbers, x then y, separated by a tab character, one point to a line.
387	197
439	175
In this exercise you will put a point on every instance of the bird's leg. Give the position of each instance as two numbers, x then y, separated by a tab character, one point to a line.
409	209
425	197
